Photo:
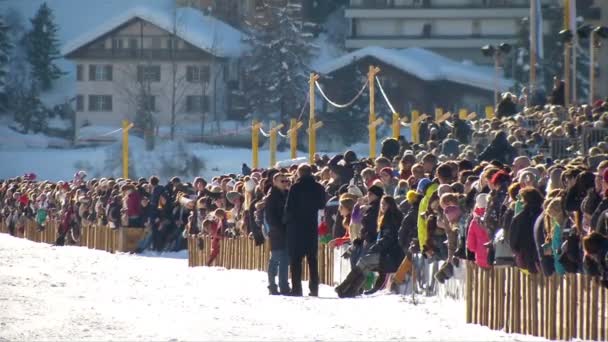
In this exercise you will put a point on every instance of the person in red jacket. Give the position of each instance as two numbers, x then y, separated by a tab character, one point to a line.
478	234
133	201
216	230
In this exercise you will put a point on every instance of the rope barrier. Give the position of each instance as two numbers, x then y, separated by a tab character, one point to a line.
390	106
349	103
303	108
100	135
267	135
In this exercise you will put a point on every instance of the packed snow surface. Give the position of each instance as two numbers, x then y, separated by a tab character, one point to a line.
72	293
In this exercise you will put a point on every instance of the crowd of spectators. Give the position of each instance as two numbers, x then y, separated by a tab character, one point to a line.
504	203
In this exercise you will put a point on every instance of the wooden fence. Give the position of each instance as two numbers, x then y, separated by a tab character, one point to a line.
91	236
242	253
572	306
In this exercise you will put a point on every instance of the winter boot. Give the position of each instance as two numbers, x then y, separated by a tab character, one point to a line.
272	290
377	285
353	284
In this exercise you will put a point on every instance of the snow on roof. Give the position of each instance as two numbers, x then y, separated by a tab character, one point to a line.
203	31
425	65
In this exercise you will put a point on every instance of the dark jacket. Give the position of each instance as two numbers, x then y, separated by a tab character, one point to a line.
602	223
462	131
495	210
521	238
306	197
274	211
408	230
506	108
499	149
369	222
595	218
391	254
557	95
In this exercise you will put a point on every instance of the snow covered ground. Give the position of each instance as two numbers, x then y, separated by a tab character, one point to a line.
72	293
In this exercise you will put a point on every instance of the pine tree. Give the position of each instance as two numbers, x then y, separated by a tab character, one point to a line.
30	113
277	72
5	51
43	48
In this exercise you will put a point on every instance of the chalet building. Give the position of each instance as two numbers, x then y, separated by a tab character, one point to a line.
413	78
183	63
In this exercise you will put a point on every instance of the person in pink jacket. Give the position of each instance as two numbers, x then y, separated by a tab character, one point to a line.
478	234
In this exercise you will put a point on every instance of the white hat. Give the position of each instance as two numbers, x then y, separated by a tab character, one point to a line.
354	190
250	185
481	201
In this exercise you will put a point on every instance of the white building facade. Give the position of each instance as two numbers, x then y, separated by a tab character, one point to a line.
454	28
136	63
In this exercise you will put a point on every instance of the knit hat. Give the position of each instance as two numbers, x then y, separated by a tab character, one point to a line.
423	184
411	196
481	201
376	190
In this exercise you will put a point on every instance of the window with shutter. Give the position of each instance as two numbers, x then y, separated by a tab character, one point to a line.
107	103
79	103
205	73
197	104
93	103
91	72
150	73
79	72
117	43
133	43
108	73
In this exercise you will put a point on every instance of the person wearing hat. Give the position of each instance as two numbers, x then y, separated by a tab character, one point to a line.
278	264
304	200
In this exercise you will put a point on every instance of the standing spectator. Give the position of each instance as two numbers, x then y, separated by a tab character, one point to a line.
277	235
306	197
506	107
557	93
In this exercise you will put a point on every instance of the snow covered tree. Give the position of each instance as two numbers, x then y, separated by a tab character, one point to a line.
43	48
5	50
277	69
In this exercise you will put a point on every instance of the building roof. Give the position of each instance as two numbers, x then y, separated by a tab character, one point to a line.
424	64
203	31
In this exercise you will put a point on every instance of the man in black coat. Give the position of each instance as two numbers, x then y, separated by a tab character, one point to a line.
306	197
277	235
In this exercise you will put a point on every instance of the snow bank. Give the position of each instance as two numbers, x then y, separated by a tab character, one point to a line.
423	64
10	138
73	293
